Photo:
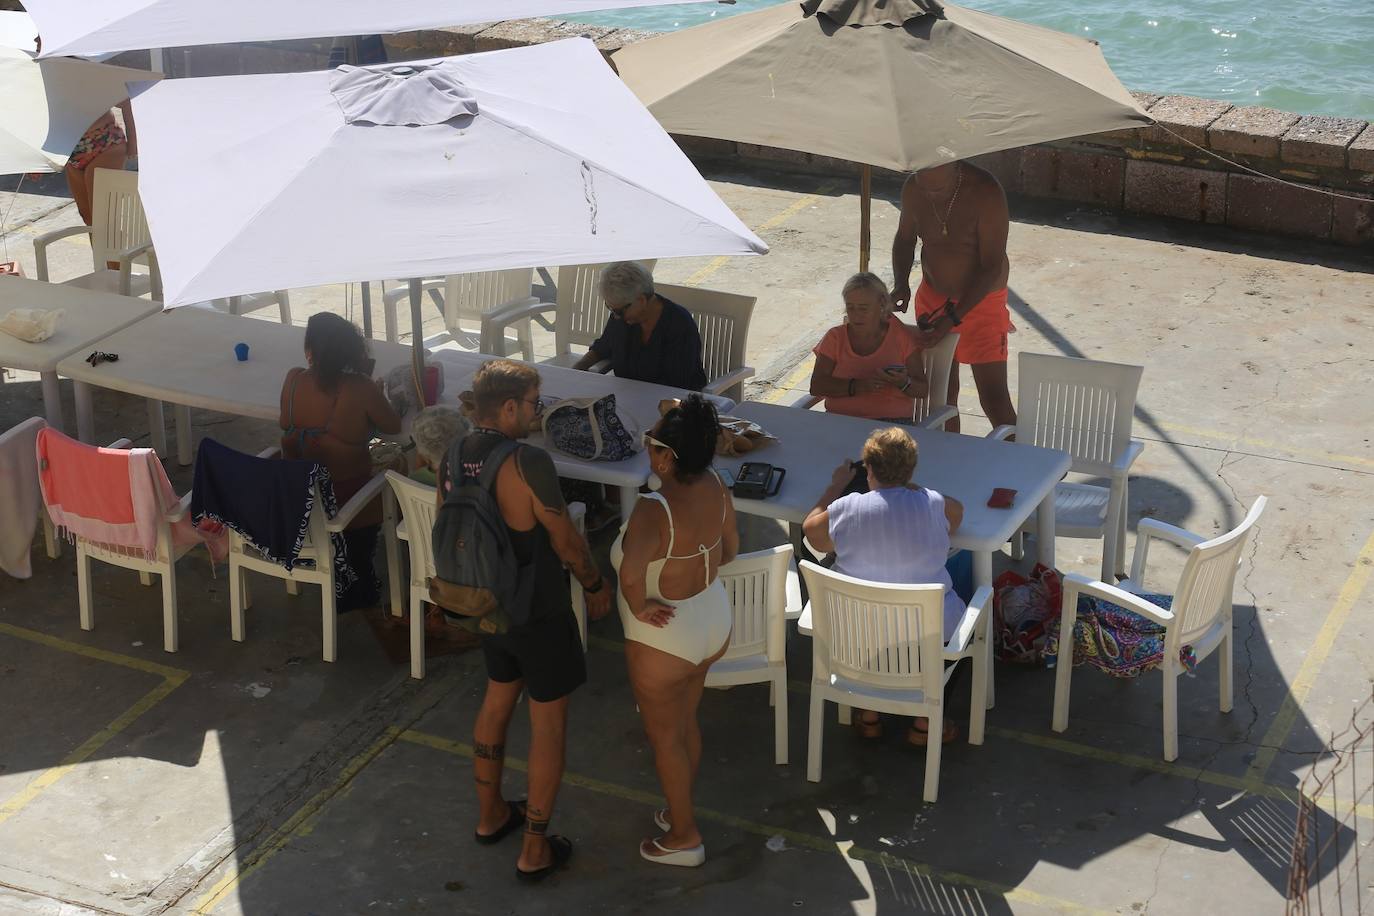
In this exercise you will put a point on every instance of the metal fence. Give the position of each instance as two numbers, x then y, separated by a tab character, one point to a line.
1326	873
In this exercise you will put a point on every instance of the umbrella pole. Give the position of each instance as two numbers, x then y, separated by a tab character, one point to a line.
865	206
417	339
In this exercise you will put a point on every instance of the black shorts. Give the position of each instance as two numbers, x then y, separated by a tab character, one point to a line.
546	654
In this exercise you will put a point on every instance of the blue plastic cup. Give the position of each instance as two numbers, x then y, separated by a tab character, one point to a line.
241	351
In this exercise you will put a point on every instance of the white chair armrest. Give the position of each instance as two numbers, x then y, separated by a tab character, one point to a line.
495	322
729	380
126	261
968	624
349	510
41	243
1074	585
121	443
271	452
1122	465
183	506
1002	432
402	292
806	400
1151	529
940	416
154	275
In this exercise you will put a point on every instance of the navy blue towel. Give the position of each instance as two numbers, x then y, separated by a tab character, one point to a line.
267	502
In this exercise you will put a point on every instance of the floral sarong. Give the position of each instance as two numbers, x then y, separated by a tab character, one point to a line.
1114	640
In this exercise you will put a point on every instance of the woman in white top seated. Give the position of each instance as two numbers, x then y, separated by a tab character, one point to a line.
897	532
675	612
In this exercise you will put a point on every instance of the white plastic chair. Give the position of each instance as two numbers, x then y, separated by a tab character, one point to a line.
243	305
931	410
1084	407
468	298
243	558
757	585
21	438
880	647
162	563
418	503
723	322
1200	615
579	314
118	233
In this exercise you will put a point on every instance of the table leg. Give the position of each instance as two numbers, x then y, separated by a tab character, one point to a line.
982	575
1044	535
185	452
367	309
157	428
628	497
52	401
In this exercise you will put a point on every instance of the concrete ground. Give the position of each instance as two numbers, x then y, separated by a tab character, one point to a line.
255	779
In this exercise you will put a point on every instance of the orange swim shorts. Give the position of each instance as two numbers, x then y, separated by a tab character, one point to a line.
982	333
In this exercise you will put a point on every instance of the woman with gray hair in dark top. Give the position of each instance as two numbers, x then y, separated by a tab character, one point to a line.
647	337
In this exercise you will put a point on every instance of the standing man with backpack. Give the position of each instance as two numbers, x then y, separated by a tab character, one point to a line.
537	648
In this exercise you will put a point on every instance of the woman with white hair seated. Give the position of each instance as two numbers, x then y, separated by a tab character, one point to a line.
647	337
869	366
434	431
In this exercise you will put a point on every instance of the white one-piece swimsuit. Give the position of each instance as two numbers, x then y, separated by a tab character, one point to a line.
700	625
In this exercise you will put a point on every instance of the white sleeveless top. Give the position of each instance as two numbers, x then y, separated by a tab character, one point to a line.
895	535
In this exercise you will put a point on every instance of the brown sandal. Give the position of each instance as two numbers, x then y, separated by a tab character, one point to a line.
920	737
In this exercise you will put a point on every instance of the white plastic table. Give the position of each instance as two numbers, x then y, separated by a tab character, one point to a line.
89	317
635	400
186	357
812	443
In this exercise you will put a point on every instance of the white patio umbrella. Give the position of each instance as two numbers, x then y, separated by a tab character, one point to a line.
17	30
535	155
48	104
92	26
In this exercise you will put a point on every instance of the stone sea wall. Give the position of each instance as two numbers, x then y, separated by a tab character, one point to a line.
1146	171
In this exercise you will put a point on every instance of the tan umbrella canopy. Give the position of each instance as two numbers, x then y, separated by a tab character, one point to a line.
899	84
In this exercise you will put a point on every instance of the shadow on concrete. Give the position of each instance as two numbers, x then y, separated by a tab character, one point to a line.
1026	313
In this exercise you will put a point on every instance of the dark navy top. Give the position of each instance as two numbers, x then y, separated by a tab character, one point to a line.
671	356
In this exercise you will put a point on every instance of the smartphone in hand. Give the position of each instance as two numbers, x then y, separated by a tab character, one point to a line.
896	369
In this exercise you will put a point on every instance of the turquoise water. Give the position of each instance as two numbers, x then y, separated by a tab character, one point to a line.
1308	56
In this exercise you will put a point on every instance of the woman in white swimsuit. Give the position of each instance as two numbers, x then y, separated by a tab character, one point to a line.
675	612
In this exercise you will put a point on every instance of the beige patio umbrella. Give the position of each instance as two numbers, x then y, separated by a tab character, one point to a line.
899	84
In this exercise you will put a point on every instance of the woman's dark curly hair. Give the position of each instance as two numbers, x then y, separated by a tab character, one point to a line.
336	345
691	430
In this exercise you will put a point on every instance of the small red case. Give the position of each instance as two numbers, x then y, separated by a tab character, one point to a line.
1001	498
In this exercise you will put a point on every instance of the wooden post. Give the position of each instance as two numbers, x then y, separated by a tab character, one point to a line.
865	206
417	339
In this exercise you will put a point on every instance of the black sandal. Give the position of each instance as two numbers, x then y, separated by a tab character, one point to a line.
514	821
562	849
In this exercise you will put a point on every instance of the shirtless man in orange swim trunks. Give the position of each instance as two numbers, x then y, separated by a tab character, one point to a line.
959	213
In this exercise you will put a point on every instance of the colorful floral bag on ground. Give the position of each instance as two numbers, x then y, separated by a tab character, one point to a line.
1114	640
590	429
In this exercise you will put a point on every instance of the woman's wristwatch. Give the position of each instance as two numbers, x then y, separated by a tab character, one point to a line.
593	589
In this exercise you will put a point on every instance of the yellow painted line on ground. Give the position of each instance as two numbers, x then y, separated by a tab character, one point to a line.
1313	660
1270	445
794	838
772	222
172	679
794	378
76	648
299	824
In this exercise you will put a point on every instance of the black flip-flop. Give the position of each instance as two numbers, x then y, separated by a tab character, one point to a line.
514	821
562	849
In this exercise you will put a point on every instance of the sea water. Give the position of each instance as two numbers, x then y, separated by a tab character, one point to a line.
1307	56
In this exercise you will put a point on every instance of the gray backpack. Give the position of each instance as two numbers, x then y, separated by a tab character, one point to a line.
477	574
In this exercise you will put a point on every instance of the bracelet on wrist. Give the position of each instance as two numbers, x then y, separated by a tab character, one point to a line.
593	589
851	388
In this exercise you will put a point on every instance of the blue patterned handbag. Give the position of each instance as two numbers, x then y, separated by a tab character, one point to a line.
590	429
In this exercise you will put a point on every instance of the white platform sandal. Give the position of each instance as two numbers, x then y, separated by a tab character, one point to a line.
686	858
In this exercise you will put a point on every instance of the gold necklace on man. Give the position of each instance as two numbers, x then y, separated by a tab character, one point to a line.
944	223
